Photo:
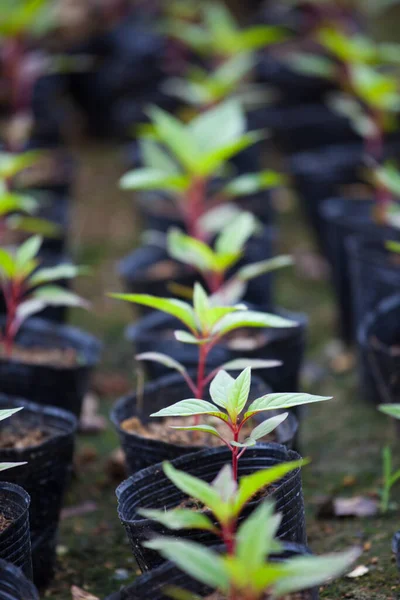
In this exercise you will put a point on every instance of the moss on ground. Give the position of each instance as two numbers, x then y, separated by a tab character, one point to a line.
343	437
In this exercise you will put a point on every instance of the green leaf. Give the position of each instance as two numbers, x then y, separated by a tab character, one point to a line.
238	364
195	488
204	428
163	359
201	563
12	164
188	338
27	252
251	183
190	251
7	264
393	246
9	412
235	234
256	535
312	65
201	306
389	176
151	179
34	225
249	319
177	137
26	309
203	127
254	270
155	158
252	484
49	274
393	410
220	388
11	202
189	407
179	519
261	36
209	163
225	484
305	572
283	400
6	466
54	295
267	426
238	395
181	310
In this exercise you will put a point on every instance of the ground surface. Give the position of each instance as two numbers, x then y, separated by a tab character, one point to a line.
344	437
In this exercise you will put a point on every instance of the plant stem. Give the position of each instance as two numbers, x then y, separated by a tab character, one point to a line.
235	453
215	281
203	352
195	208
11	298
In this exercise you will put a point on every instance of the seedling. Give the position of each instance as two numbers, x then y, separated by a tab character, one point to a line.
28	288
5	414
231	396
215	263
245	570
183	159
206	325
390	477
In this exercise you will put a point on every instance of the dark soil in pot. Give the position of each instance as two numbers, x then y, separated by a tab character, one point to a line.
379	352
143	442
14	585
154	333
343	218
150	488
15	541
43	437
52	365
374	273
151	585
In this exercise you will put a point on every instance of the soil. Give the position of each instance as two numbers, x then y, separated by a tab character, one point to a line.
62	358
21	437
164	269
162	430
4	523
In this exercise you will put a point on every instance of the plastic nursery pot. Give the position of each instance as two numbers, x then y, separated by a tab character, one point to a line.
378	352
61	385
154	333
15	540
152	585
150	488
48	462
343	218
396	548
14	585
141	452
374	273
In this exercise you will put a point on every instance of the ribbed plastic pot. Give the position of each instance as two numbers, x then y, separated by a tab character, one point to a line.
49	464
379	361
154	333
15	540
14	585
50	385
143	452
150	488
344	218
152	585
374	273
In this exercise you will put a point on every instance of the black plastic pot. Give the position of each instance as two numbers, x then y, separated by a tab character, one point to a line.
14	585
51	385
154	333
140	452
374	273
15	541
151	585
44	477
396	548
378	352
150	488
344	218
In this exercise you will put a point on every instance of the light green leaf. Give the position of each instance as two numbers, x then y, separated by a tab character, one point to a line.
181	310
63	271
305	572
267	426
6	413
204	428
190	251
204	127
28	308
212	161
163	359
238	364
27	252
201	306
393	246
11	202
261	36
249	319
54	295
12	164
155	158
220	388
393	410
256	535
283	400
189	407
225	484
188	338
179	519
6	466
151	179
235	234
34	225
312	65
389	176
7	264
238	394
201	563
254	270
251	183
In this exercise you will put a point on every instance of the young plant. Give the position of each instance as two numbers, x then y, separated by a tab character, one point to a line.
183	159
244	570
5	414
29	288
390	477
215	263
206	325
230	398
17	210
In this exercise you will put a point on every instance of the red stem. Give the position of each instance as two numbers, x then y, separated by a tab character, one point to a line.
12	299
235	454
215	281
195	207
